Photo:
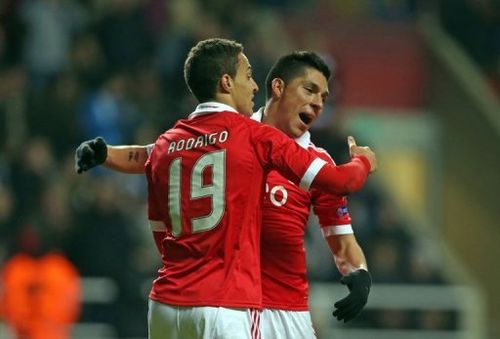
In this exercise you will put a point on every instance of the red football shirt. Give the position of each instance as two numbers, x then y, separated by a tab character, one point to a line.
206	179
285	212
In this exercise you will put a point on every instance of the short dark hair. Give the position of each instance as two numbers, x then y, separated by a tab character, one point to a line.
206	62
293	65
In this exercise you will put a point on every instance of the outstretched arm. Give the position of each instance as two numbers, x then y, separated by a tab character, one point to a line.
125	159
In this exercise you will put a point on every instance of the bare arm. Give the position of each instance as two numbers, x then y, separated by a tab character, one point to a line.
347	253
126	159
351	263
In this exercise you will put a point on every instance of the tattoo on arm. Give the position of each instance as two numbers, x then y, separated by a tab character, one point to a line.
133	156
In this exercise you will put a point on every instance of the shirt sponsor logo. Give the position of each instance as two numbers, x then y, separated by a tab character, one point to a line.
342	211
278	195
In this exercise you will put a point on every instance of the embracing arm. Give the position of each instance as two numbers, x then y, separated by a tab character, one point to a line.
349	177
125	159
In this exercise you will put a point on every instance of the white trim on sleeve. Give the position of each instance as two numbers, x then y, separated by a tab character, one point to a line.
149	148
336	230
157	225
311	172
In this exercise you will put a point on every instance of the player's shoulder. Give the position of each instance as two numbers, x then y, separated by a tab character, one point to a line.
232	119
257	127
320	152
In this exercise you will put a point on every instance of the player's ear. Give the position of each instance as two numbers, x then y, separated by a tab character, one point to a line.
277	86
226	83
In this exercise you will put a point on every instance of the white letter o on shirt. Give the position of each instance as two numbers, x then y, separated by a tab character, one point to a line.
284	194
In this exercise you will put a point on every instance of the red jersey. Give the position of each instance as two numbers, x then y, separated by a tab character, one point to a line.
285	212
206	179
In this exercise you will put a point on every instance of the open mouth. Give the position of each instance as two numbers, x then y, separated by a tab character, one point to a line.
306	119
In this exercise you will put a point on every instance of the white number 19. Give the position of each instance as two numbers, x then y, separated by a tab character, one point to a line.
215	190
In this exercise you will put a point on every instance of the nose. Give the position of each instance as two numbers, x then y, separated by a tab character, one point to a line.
317	103
255	86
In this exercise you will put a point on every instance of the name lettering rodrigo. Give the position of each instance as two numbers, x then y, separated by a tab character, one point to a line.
201	141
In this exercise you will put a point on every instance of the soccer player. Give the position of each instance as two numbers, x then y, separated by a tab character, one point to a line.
236	256
297	86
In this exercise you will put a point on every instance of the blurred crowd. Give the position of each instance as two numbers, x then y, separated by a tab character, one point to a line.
475	25
71	70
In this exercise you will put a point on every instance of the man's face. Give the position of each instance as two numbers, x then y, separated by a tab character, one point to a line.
244	87
301	102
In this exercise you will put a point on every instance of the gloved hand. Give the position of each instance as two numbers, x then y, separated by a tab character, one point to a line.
359	283
90	153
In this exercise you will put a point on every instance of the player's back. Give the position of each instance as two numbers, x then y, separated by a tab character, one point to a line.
205	185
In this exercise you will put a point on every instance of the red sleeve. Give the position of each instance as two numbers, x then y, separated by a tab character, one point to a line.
154	212
343	179
331	209
275	150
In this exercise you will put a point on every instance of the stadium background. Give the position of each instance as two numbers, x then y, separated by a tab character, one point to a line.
416	80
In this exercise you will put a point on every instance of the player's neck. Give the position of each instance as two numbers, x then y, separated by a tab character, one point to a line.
269	113
225	99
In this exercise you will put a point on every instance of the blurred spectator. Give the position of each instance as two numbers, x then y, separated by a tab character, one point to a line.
88	61
422	271
108	112
187	23
30	174
7	207
53	115
103	244
392	319
13	102
386	261
476	26
148	95
41	290
171	51
124	34
394	11
265	39
12	33
435	320
390	224
50	28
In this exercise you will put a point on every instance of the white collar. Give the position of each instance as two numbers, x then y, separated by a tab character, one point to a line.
304	140
257	116
210	107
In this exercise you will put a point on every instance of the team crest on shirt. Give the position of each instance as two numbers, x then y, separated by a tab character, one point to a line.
342	211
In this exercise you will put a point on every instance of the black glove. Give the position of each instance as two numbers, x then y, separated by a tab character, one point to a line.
359	283
90	153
